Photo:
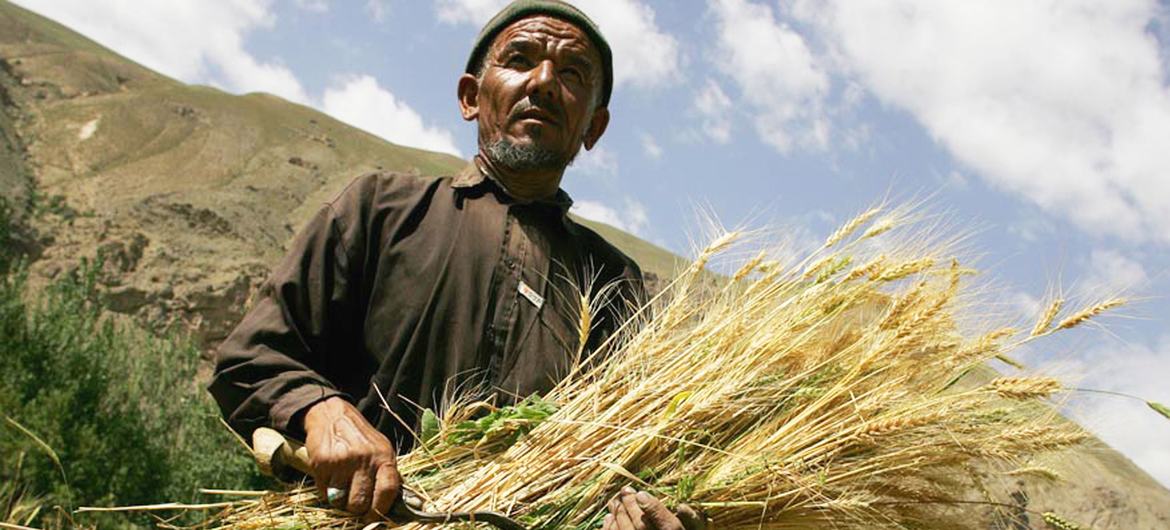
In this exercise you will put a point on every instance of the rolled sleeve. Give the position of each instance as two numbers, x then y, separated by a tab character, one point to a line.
292	403
287	352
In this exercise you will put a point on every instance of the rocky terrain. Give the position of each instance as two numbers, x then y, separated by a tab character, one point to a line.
188	195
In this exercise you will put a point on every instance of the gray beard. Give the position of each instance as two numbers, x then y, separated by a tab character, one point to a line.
526	158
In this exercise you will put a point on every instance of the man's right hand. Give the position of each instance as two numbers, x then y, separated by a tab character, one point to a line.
348	453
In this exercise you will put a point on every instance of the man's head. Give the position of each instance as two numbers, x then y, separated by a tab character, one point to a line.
538	83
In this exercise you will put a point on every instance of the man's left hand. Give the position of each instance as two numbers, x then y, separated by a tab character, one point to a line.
631	510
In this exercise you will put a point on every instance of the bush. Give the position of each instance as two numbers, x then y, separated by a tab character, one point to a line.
8	234
122	410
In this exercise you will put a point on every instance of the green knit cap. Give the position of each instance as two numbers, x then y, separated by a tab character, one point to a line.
554	8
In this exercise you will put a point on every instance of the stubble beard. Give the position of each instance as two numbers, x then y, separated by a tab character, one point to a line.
528	157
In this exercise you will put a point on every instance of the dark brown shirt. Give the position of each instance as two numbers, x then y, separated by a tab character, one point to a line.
417	286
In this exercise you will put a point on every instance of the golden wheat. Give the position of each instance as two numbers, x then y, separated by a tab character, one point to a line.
850	227
801	396
1088	313
1025	387
1047	317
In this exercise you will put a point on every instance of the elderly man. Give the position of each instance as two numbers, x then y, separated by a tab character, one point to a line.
405	286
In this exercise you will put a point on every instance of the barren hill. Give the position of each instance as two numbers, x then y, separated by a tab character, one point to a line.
189	194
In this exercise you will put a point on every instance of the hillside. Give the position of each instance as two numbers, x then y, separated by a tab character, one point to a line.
190	194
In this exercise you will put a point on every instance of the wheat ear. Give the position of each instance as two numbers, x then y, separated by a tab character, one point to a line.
1087	313
1025	387
1058	522
850	227
1049	315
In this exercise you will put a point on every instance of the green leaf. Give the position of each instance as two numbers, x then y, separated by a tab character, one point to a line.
39	442
677	400
428	426
1010	362
1160	408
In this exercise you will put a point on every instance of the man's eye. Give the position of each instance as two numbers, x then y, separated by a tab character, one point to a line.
518	61
573	74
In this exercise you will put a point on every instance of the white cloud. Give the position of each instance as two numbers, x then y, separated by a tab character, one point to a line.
202	42
1128	425
360	101
378	9
644	56
1031	226
1111	272
714	107
598	161
775	72
1063	102
631	218
475	12
243	73
956	180
196	41
314	6
1024	306
650	146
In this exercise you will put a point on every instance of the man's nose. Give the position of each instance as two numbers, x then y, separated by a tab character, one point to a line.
543	81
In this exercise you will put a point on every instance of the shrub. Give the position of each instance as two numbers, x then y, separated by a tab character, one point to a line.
8	234
122	411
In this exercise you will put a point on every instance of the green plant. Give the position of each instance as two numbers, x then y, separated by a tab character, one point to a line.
102	413
8	234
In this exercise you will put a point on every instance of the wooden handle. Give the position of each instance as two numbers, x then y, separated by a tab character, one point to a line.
281	457
277	454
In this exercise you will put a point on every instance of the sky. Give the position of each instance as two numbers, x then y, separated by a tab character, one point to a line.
1041	128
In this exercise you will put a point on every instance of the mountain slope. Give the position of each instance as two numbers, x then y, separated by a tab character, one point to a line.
189	194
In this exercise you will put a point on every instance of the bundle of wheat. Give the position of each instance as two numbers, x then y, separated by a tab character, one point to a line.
827	390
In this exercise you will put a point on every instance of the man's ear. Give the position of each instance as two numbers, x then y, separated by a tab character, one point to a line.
469	97
597	126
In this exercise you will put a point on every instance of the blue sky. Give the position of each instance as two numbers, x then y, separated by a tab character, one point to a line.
1041	126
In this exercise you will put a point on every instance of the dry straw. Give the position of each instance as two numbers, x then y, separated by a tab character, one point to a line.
816	394
1043	472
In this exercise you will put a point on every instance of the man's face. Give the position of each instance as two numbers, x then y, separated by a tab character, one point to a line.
537	94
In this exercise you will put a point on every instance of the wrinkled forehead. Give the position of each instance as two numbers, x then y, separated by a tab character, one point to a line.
546	32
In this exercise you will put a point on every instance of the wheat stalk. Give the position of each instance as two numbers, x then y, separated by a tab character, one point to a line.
1088	313
1025	387
848	228
879	228
1047	317
901	270
888	426
750	266
770	401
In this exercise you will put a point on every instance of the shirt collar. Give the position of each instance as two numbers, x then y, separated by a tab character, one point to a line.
475	174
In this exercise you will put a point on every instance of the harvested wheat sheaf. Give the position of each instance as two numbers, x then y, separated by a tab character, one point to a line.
833	390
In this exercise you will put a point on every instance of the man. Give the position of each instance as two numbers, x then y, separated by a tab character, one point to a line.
405	286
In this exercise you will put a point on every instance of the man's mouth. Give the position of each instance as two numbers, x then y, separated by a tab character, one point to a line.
534	113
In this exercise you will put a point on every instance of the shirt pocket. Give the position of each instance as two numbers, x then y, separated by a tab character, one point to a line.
545	354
